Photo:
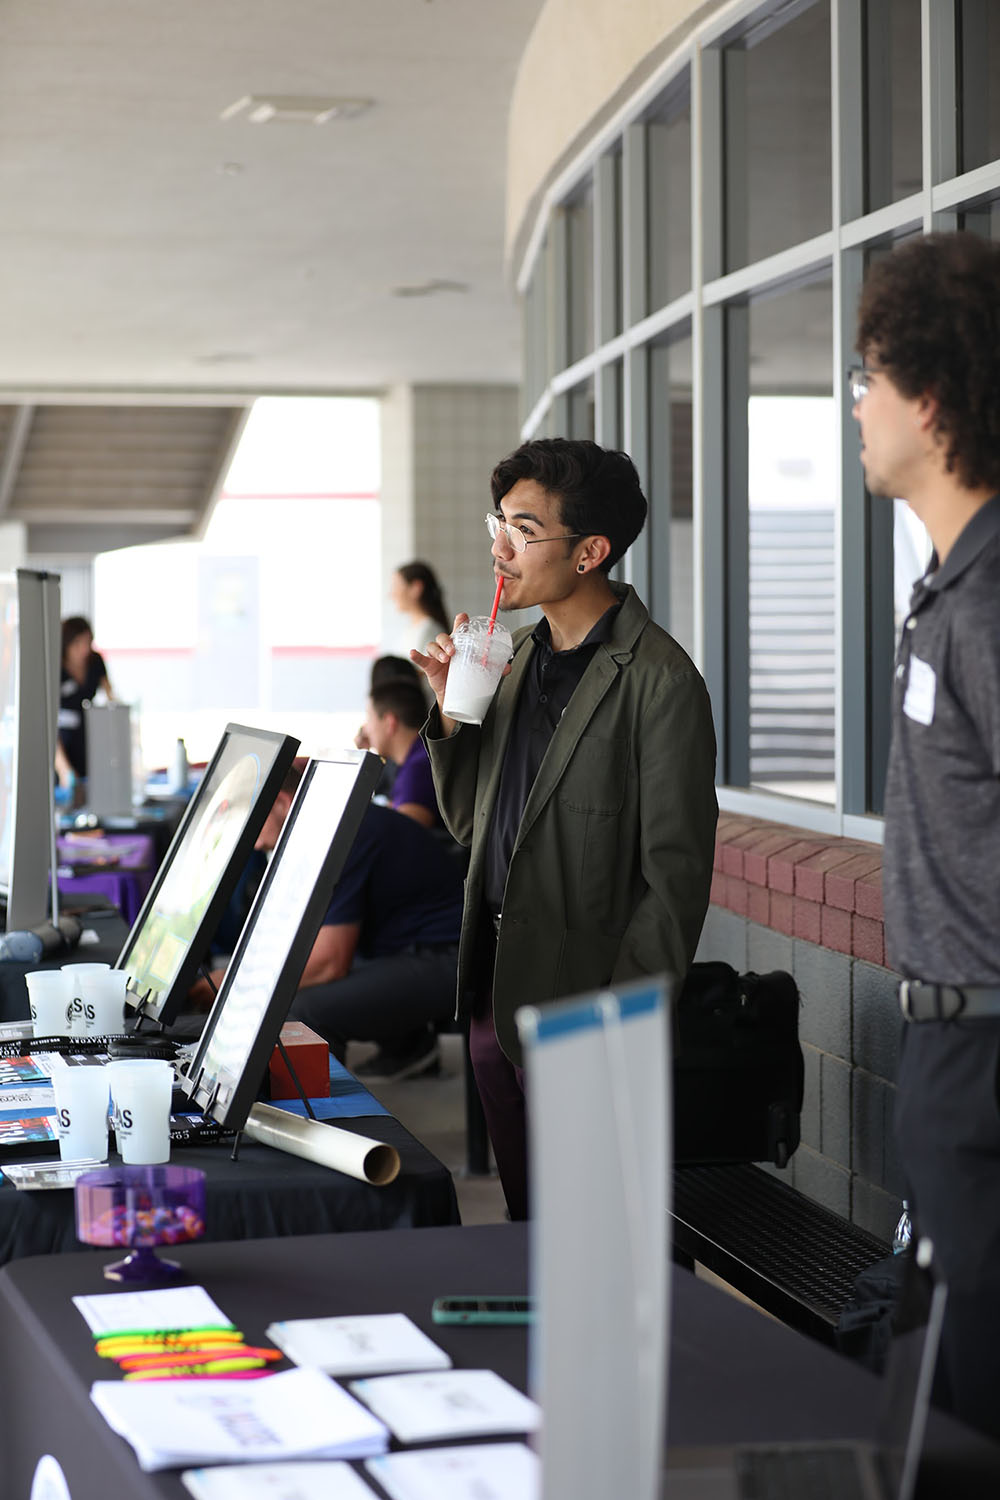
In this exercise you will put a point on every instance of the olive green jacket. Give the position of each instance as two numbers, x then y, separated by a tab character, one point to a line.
611	869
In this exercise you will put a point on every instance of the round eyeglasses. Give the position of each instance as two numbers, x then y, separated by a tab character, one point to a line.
859	381
515	537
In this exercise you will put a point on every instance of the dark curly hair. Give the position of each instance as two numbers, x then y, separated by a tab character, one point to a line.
930	315
598	489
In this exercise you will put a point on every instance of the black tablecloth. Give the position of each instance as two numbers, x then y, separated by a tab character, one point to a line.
264	1194
111	933
735	1375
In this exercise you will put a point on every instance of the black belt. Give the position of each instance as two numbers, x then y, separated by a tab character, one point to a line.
920	1001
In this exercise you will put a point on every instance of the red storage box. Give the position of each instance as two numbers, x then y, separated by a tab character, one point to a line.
310	1057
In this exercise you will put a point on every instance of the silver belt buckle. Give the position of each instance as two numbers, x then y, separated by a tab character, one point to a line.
904	1000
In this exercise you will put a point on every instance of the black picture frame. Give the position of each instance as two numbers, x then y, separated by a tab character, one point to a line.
243	1026
181	953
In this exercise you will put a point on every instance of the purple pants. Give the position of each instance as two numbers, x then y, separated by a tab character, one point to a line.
501	1088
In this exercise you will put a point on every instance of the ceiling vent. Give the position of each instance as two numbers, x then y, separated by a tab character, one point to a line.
295	109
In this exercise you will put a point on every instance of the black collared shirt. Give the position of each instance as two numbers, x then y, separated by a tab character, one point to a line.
549	684
941	888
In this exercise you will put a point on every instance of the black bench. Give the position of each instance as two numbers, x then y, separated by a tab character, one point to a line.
791	1256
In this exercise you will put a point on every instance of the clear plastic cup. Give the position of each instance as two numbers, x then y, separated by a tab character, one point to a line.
100	1005
77	973
81	1091
476	668
140	1097
49	996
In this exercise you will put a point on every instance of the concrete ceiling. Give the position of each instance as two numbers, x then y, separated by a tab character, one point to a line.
146	244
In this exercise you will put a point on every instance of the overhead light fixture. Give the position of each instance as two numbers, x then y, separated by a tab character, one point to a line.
430	288
295	109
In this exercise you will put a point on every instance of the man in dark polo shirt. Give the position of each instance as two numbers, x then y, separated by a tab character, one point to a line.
588	793
928	404
382	968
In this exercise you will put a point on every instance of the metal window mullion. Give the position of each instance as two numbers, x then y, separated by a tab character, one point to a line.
660	445
636	441
855	693
736	541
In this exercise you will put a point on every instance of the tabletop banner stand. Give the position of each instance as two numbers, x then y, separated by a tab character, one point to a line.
598	1081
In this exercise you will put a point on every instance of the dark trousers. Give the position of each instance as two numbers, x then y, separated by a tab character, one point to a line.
501	1088
390	1000
948	1129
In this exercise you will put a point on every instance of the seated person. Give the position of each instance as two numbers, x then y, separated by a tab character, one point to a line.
396	710
383	966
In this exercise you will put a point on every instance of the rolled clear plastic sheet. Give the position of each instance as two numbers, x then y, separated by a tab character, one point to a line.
316	1140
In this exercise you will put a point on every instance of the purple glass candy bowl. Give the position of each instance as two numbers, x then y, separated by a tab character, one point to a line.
137	1209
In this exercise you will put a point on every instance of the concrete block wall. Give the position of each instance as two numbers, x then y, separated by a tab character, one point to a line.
812	906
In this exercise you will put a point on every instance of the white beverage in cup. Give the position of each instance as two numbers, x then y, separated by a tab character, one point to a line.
81	1090
475	670
49	997
140	1099
77	973
99	1008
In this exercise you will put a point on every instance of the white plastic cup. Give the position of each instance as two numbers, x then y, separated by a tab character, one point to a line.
99	1008
140	1114
81	1091
77	973
49	997
476	668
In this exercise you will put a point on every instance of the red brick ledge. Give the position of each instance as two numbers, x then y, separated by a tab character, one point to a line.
826	890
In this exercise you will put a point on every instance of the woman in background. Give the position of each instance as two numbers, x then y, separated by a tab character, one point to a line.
417	596
83	676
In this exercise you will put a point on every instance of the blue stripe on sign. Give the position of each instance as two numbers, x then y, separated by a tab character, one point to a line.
562	1020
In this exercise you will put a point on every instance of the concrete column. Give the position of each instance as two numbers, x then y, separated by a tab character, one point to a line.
439	446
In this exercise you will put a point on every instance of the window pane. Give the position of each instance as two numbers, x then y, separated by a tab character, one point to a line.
612	413
978	50
581	411
668	166
671	544
892	101
791	492
580	273
777	137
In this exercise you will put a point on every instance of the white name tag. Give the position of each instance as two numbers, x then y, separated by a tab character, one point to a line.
920	689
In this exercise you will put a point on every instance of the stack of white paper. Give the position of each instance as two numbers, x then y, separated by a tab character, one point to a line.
298	1414
372	1345
327	1481
484	1471
169	1308
448	1403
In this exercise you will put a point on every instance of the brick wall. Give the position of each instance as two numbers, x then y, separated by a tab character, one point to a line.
786	899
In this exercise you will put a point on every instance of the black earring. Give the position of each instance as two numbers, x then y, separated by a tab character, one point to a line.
580	568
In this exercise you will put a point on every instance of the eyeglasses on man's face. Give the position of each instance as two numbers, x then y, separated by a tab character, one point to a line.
859	381
515	537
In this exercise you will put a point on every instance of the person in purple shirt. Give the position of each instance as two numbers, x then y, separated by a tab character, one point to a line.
396	710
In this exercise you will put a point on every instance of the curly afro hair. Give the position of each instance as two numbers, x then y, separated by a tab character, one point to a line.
930	314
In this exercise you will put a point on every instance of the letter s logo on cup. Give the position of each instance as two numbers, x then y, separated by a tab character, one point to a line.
64	1118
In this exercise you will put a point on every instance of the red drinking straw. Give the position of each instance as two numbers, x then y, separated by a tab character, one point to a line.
496	604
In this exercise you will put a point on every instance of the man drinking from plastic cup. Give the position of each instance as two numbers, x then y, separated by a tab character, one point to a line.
587	793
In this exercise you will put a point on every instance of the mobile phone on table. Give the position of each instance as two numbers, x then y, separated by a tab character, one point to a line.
483	1310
